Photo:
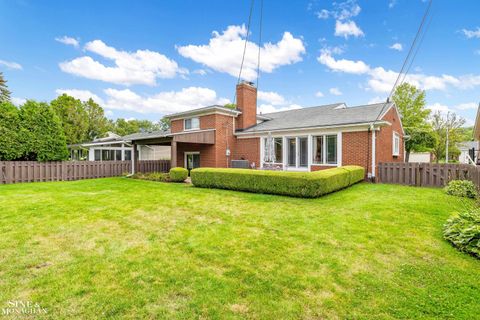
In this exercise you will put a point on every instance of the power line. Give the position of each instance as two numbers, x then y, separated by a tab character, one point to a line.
410	51
244	47
259	41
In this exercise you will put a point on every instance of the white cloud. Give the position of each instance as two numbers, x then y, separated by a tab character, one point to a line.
18	101
163	102
382	80
467	106
342	65
82	95
347	28
68	41
224	53
392	3
268	108
341	10
335	91
140	67
396	46
271	97
471	33
319	94
375	100
201	72
438	107
11	65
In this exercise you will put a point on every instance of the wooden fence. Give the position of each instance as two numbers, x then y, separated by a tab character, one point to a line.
32	171
426	174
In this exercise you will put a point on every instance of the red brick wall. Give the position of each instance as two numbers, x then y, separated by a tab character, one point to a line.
385	139
318	167
207	153
247	103
248	149
176	126
354	149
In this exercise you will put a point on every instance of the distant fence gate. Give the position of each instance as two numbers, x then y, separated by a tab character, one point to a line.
33	171
426	174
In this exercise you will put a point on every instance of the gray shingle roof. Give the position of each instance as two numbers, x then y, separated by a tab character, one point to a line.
327	115
146	135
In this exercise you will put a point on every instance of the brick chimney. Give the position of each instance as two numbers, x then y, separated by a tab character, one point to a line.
247	104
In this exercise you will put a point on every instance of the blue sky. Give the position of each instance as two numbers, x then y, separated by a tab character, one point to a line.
144	59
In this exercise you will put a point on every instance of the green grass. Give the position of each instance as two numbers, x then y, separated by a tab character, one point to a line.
123	248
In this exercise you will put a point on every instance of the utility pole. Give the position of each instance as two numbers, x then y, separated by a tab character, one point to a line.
446	148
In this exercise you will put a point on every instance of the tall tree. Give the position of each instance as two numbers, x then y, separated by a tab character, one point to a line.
97	122
410	102
441	124
164	124
124	127
44	138
4	92
73	116
11	133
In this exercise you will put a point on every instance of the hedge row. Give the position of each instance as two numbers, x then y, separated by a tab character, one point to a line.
295	184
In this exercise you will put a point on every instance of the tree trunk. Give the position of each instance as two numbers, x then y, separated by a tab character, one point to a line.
407	155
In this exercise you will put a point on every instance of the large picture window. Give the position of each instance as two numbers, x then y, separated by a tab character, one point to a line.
192	123
277	150
325	149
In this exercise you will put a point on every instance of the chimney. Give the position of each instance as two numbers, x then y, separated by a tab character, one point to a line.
247	104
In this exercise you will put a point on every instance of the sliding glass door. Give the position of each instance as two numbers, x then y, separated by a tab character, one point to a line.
292	152
297	152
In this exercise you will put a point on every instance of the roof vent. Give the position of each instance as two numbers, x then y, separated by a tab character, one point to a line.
341	106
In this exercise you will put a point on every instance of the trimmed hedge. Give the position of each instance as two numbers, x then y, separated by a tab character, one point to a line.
295	184
178	174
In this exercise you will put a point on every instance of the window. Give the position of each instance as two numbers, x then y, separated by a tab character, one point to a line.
325	149
292	150
118	155
192	123
128	155
396	144
278	150
98	155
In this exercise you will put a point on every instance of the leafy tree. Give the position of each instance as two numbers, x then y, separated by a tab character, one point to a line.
124	127
164	124
467	133
73	116
97	122
4	92
11	146
410	102
230	106
440	125
44	137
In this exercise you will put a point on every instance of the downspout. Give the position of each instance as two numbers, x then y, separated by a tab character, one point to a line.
373	151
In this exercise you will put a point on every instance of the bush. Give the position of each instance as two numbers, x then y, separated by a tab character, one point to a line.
461	188
296	184
178	174
152	176
463	231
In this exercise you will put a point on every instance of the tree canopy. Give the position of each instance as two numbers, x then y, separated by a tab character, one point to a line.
441	124
124	127
11	133
410	102
4	92
73	117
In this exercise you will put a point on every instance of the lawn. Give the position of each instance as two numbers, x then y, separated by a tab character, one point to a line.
122	248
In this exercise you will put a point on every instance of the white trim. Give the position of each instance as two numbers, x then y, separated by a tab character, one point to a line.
339	149
191	129
395	135
373	153
307	130
204	112
185	156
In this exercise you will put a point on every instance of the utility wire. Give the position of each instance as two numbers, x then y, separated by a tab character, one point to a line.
406	61
259	41
244	48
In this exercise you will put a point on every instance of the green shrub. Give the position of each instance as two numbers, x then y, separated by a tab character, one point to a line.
296	184
178	174
461	188
152	176
463	231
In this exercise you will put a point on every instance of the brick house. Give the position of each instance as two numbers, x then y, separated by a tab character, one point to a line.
305	139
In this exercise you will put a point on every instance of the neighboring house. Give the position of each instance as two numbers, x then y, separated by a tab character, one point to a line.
305	139
420	157
468	152
114	147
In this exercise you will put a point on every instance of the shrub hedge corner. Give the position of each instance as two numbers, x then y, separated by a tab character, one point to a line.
295	184
178	174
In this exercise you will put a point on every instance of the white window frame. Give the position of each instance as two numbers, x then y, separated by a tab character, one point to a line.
263	146
185	156
395	146
191	121
324	149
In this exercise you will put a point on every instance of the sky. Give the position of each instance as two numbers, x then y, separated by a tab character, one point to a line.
144	59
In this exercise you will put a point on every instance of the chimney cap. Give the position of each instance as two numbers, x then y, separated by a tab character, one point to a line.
250	83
